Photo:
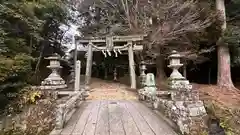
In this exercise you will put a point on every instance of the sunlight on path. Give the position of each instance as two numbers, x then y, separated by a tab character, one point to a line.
106	90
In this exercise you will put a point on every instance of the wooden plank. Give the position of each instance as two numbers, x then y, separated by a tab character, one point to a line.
92	120
158	125
139	120
115	39
92	40
67	130
129	124
82	121
135	48
102	127
128	38
115	121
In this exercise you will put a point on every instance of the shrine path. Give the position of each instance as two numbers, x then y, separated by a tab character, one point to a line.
113	110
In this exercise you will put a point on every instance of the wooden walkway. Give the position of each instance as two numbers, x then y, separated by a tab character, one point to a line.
115	117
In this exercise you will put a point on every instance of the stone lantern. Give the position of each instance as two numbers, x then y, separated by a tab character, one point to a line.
176	79
174	64
189	111
54	80
115	74
142	73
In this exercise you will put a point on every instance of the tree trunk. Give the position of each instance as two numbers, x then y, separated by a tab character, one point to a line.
209	75
224	70
185	70
161	75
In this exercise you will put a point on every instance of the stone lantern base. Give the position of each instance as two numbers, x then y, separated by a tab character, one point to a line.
53	81
175	83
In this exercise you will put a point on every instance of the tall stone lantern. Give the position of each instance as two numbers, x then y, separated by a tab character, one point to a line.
176	77
174	64
187	110
54	80
143	68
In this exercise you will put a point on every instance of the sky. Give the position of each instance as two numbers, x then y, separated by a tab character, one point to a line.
72	30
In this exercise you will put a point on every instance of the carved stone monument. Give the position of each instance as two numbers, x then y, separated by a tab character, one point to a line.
54	80
149	89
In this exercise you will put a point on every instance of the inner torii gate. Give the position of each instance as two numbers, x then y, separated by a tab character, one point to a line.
130	46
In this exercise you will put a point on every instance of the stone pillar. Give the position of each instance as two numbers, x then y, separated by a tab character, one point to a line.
89	65
77	76
59	122
131	65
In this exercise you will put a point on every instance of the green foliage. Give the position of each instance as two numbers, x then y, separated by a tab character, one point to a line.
232	34
26	96
232	38
28	28
226	127
13	131
26	23
229	116
14	72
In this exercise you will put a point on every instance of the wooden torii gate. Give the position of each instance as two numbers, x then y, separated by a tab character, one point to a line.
130	46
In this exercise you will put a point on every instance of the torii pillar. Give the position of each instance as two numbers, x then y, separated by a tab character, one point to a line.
131	65
88	66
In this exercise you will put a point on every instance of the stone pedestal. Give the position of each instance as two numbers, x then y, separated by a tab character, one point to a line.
54	80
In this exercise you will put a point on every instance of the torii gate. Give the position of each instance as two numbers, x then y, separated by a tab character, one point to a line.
106	50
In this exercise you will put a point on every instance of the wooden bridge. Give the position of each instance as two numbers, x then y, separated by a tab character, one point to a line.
124	116
115	117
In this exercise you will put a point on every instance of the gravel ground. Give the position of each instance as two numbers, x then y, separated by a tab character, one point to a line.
107	90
